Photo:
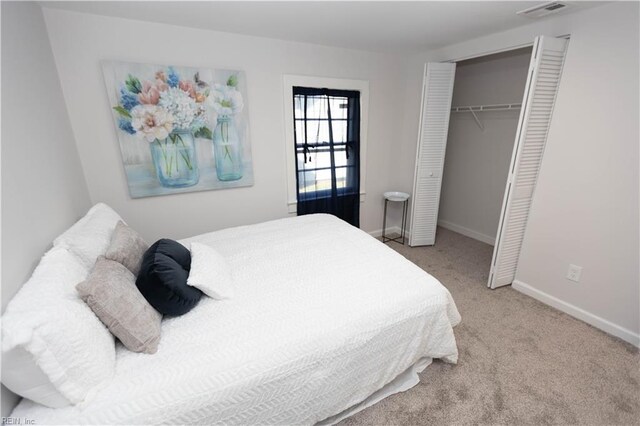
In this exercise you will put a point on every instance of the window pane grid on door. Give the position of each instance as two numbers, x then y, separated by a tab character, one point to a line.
317	130
316	155
326	134
317	108
320	158
319	180
321	119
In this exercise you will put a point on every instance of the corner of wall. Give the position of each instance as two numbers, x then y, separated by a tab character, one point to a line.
47	191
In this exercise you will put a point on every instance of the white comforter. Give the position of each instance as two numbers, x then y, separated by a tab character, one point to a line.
323	316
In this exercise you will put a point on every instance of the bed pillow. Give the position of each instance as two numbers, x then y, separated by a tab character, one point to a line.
110	291
55	351
163	278
210	272
89	237
127	247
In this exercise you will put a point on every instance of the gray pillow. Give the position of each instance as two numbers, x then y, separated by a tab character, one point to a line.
111	292
127	247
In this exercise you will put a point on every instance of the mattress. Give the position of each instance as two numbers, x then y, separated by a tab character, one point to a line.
323	316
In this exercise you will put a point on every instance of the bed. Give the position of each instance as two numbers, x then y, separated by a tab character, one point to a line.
325	321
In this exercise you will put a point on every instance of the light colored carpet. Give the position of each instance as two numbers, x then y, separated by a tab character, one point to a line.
521	362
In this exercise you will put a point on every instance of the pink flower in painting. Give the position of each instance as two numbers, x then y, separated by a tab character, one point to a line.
161	85
150	95
187	86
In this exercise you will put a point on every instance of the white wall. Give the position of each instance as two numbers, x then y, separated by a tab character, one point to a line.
477	161
585	208
43	189
81	41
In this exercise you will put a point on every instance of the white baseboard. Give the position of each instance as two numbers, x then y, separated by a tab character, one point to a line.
581	314
468	232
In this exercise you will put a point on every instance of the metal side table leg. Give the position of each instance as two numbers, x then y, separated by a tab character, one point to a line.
405	207
384	221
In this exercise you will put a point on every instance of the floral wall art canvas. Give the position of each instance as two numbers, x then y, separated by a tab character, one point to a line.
180	129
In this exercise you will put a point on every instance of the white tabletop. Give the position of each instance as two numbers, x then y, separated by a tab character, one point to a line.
396	196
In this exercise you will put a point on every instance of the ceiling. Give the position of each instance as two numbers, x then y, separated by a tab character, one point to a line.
383	26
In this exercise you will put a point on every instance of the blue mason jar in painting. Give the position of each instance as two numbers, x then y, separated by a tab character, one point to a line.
227	150
175	161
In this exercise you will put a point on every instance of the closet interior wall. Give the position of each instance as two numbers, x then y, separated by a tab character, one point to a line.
477	161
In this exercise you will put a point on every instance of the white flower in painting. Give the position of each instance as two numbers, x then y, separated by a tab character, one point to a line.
181	106
151	122
226	100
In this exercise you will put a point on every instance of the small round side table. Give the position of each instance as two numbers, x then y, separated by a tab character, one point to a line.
397	197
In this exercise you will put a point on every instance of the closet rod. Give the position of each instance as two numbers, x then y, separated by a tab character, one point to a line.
479	108
493	107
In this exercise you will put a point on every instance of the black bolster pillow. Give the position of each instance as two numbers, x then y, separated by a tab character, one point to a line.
162	279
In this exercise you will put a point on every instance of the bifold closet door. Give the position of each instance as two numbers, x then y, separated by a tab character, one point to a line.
545	69
437	92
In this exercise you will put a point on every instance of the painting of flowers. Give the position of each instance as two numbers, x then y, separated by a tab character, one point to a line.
180	129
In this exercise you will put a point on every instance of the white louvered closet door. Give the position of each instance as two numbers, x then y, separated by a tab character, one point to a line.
437	92
543	81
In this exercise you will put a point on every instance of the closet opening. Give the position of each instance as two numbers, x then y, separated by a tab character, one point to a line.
483	129
485	109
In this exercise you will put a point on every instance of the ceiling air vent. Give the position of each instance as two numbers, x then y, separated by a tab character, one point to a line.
543	10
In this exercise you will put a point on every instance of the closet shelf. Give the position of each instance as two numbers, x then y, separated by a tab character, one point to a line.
484	108
477	108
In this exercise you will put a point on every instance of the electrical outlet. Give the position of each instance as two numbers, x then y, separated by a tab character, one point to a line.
574	272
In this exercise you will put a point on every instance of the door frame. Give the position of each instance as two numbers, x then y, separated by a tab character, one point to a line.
490	52
481	53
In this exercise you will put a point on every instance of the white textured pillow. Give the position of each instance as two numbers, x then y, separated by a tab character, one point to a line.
90	237
55	351
210	272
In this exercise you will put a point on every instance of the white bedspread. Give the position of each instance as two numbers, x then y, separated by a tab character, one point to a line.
323	316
